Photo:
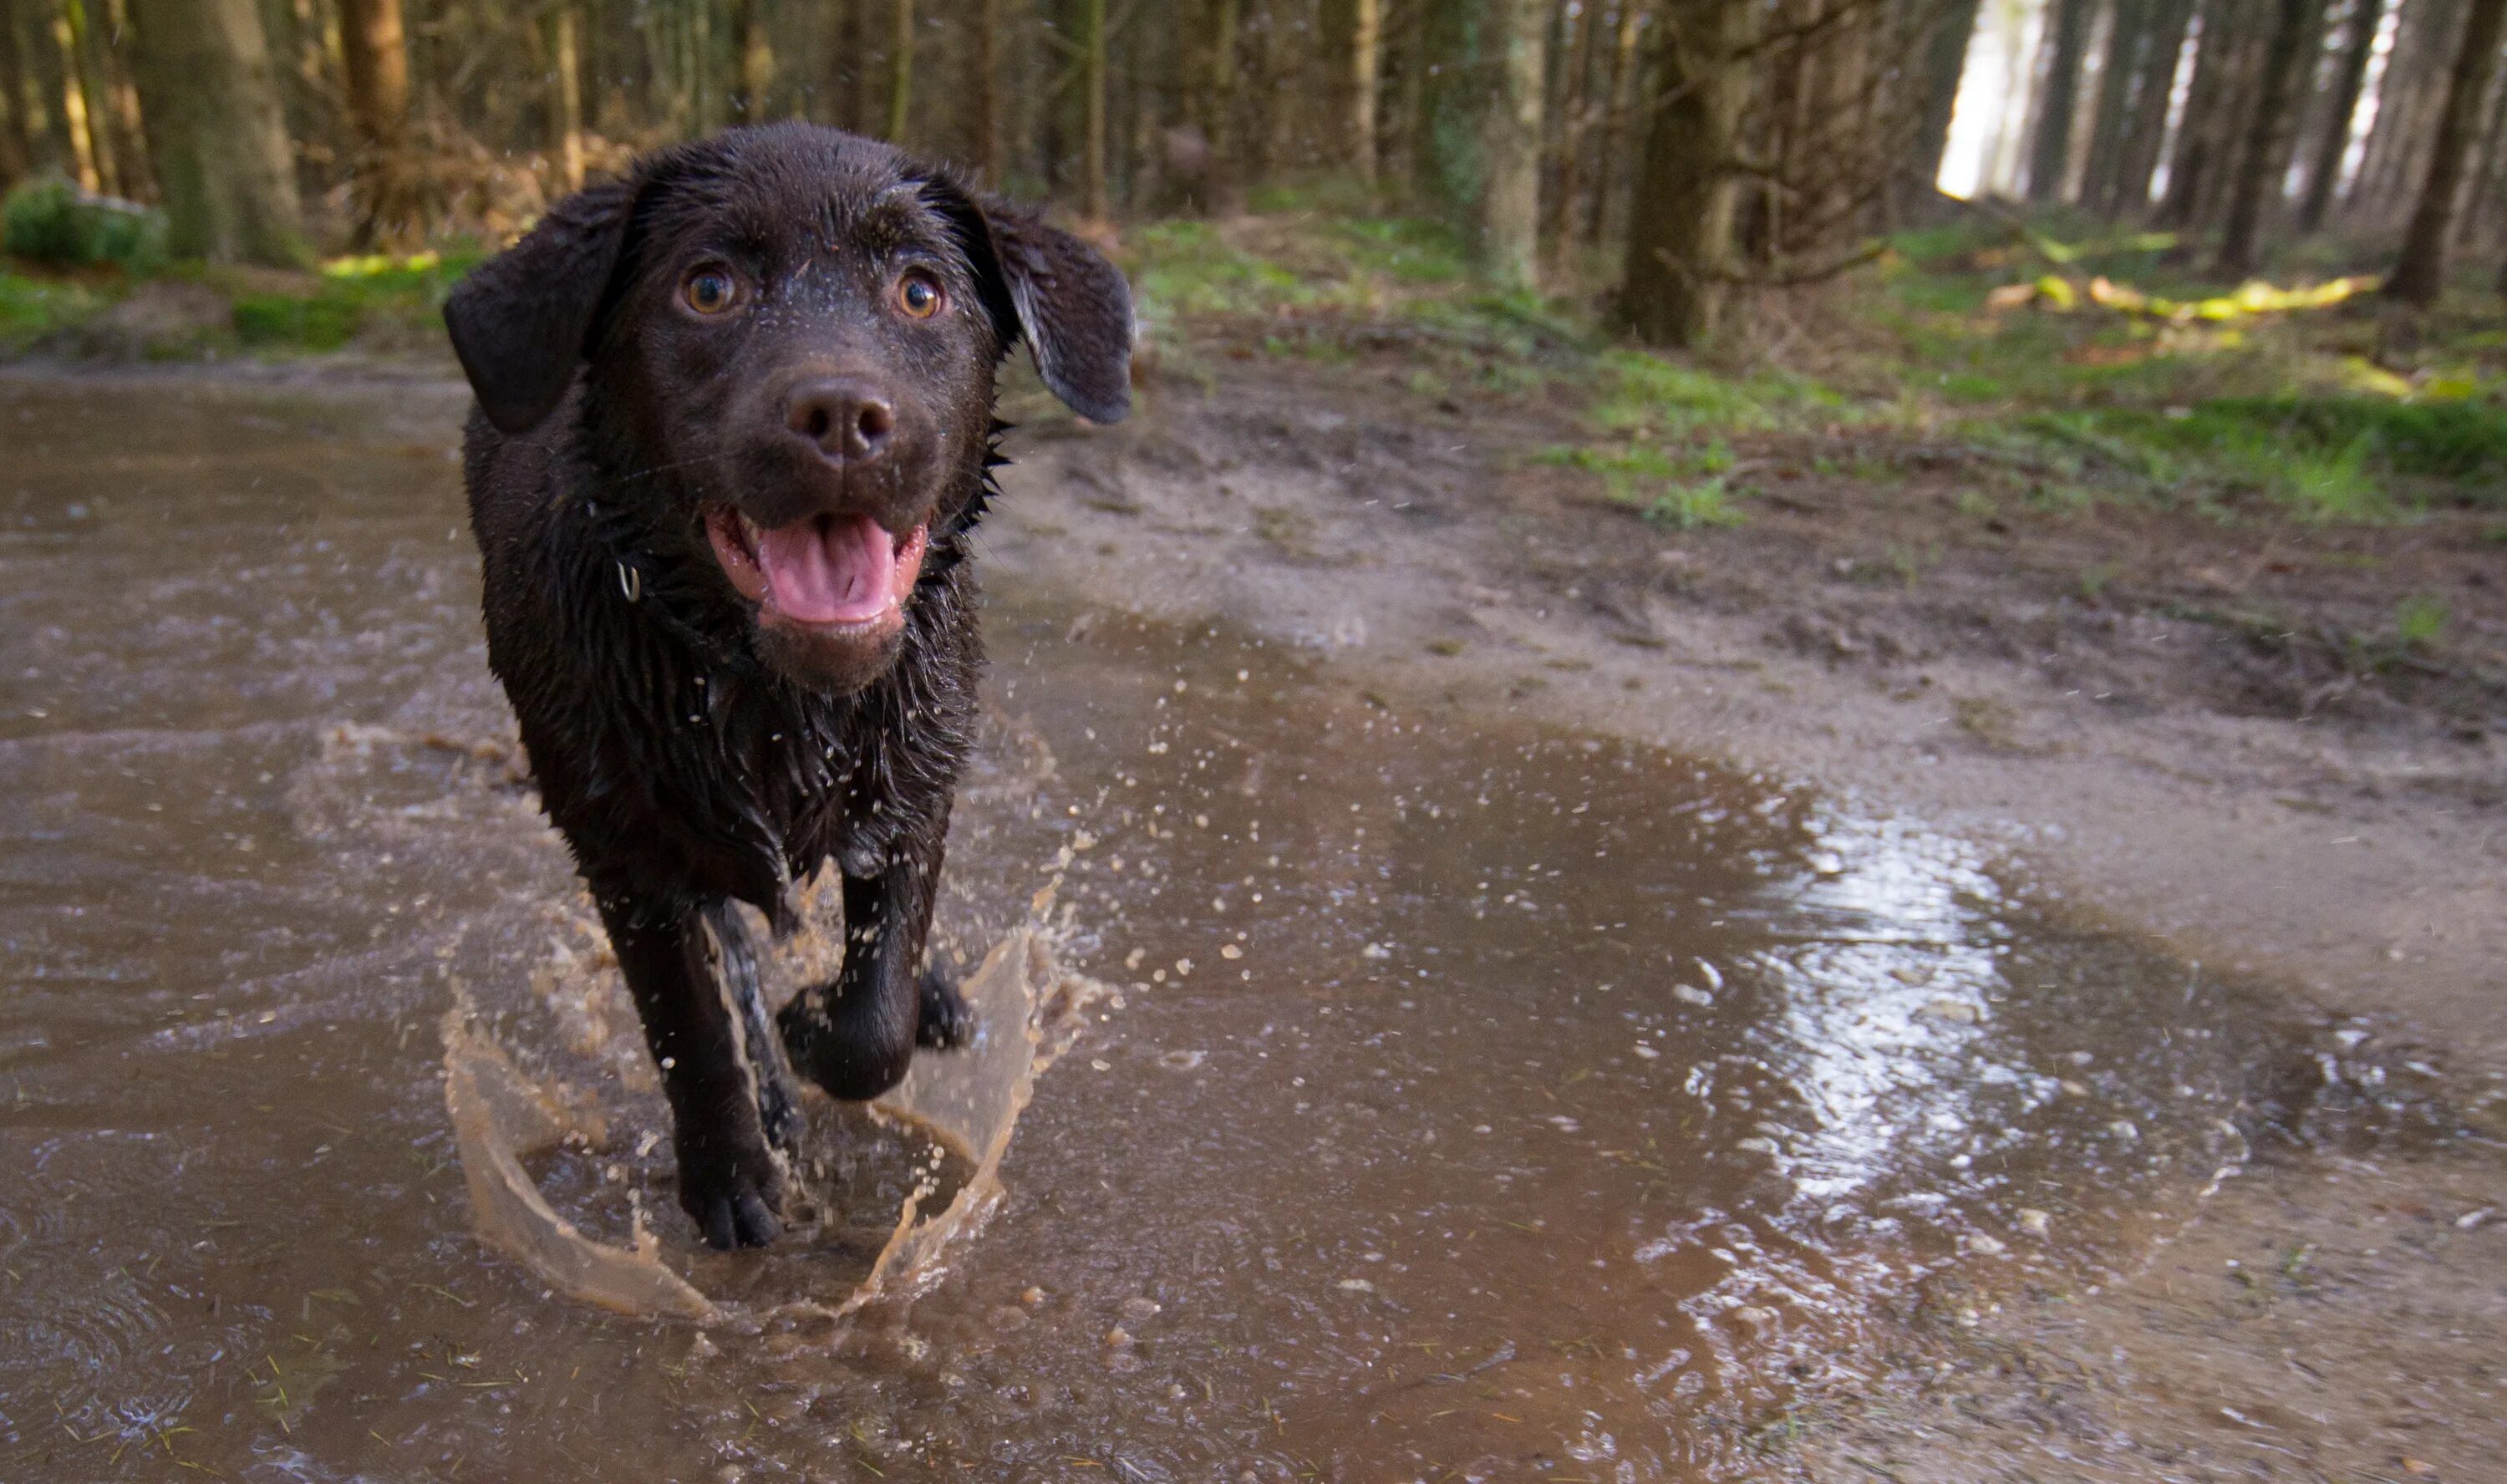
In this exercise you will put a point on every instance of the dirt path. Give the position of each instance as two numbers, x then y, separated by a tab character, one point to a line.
2225	785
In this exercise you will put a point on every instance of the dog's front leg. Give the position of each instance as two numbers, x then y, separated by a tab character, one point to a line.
857	1036
729	1181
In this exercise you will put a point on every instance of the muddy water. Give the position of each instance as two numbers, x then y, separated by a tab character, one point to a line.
1469	1099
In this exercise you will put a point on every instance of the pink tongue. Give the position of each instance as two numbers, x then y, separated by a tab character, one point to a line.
835	570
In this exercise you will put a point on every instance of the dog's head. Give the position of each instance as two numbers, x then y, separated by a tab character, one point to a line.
788	337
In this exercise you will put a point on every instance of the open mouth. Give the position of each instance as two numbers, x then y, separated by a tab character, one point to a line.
829	572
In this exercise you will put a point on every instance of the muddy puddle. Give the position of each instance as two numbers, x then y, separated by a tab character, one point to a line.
1444	1097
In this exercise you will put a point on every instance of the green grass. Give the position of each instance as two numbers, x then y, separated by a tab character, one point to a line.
1643	395
2340	459
396	303
2419	621
1406	248
1189	268
350	297
33	307
310	322
1684	490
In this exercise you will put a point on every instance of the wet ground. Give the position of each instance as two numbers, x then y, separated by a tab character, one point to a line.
1488	1102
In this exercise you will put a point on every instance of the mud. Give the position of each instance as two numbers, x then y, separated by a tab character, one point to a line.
1469	1094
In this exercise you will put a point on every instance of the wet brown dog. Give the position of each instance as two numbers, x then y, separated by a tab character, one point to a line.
735	425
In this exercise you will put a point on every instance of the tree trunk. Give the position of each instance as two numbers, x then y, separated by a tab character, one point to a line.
1222	97
1508	225
2128	36
1270	142
85	57
1591	126
987	99
1616	123
21	142
570	94
38	90
697	38
376	57
900	70
2209	116
1366	61
846	84
113	114
1680	231
2420	277
2476	200
121	101
1568	125
76	121
2350	74
1448	173
1094	204
2146	128
1945	66
1406	54
2409	99
210	101
2262	159
752	61
2049	155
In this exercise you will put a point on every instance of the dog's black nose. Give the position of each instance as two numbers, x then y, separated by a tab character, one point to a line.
848	420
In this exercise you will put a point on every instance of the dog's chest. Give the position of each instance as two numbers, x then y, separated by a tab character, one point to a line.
833	779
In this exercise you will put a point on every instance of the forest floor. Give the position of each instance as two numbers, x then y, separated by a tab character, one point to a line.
2201	616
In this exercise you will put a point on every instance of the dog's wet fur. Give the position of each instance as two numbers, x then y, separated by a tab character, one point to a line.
733	428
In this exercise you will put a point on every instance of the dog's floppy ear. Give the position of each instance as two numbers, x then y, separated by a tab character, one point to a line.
1056	292
520	320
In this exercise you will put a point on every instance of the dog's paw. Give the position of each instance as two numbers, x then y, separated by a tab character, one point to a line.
947	1020
736	1202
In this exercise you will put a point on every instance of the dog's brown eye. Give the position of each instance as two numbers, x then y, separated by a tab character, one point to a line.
917	296
709	291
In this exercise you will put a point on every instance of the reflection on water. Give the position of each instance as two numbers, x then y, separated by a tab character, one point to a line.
1470	1100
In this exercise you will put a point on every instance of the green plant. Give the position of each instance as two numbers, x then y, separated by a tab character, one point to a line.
2419	622
49	220
1691	506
